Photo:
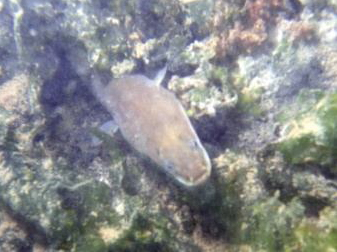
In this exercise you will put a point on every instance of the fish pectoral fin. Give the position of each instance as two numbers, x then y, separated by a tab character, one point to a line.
106	130
109	127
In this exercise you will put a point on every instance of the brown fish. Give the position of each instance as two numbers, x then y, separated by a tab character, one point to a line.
154	122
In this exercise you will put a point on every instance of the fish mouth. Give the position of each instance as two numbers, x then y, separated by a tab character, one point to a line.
197	180
202	177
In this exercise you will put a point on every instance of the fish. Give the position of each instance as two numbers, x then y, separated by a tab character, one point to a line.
153	121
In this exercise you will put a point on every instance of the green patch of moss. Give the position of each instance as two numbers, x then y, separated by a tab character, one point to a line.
306	100
305	149
218	74
228	214
269	226
198	95
310	132
97	205
319	234
282	49
90	243
147	233
249	101
249	96
110	143
85	207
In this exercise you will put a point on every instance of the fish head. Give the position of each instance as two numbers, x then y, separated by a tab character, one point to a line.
186	160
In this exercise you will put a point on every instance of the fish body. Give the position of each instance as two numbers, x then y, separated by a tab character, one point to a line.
154	122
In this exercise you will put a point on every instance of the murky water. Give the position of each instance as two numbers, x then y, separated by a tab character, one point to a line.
221	134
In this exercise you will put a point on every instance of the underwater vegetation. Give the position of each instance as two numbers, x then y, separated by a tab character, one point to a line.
309	134
257	80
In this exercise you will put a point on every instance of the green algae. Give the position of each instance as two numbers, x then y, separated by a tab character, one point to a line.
248	95
62	209
198	95
226	212
310	133
263	222
319	234
283	49
90	243
110	143
84	209
269	226
249	102
147	233
218	74
226	206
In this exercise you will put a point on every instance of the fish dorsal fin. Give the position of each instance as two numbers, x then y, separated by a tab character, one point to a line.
160	76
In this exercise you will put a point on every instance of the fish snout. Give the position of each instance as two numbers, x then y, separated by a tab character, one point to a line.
200	177
196	173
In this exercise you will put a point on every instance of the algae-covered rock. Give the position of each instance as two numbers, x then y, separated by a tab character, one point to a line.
269	224
150	233
35	187
309	134
208	88
318	234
